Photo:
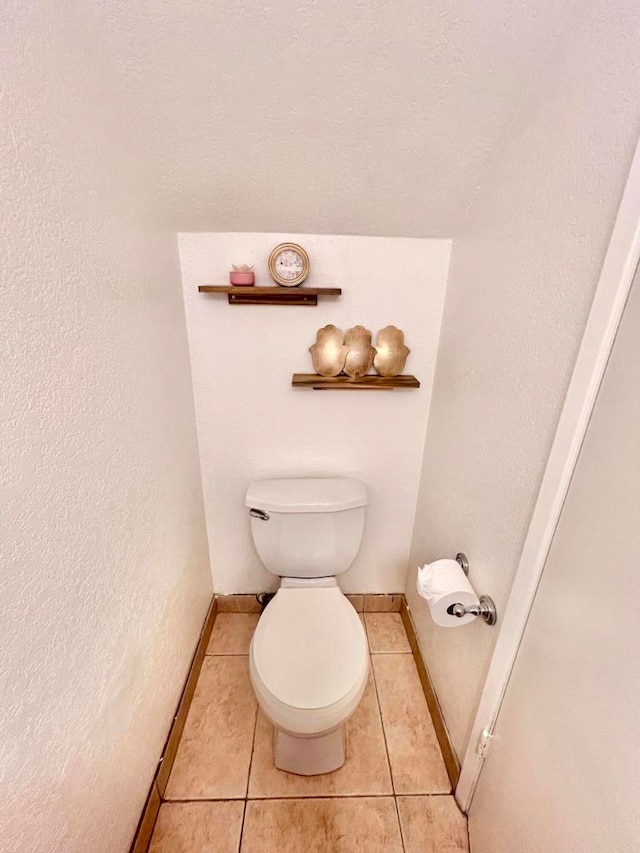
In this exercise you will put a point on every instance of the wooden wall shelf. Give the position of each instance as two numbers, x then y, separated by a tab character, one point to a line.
344	383
270	295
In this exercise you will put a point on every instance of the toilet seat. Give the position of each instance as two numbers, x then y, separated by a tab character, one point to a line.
309	660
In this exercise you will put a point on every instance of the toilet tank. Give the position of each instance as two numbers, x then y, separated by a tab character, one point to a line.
307	528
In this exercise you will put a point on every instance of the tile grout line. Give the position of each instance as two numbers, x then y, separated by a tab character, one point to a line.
207	800
253	749
303	797
366	633
384	733
244	814
227	655
386	747
246	795
395	803
400	652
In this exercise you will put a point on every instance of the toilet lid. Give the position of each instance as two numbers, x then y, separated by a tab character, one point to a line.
309	648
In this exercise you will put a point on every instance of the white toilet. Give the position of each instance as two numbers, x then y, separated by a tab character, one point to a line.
309	660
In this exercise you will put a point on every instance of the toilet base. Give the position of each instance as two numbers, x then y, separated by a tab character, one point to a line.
309	756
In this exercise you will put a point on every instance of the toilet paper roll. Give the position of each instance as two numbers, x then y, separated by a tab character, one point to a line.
442	584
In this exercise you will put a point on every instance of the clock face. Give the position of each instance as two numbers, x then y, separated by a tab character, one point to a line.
289	264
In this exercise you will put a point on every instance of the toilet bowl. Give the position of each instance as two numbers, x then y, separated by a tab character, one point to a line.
309	666
309	659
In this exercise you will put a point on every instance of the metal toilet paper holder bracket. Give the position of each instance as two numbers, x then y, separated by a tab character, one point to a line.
486	608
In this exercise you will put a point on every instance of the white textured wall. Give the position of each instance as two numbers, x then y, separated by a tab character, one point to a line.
521	281
566	742
333	117
105	576
252	424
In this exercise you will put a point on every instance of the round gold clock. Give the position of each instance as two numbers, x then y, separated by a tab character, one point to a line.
289	264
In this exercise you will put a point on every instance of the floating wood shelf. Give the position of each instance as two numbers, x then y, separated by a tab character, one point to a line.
345	383
270	295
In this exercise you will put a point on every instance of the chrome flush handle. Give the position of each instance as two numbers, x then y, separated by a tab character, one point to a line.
259	513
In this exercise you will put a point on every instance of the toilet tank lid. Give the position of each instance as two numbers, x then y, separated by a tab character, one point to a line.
320	494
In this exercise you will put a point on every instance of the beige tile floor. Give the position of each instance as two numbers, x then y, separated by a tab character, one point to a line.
392	795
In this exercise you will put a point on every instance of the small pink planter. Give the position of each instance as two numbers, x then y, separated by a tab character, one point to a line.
242	279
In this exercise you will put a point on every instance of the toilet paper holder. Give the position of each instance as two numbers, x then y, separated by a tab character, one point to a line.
485	609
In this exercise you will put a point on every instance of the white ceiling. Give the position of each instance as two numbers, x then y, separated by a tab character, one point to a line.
352	117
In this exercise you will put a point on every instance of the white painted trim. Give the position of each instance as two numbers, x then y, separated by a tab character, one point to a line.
611	295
